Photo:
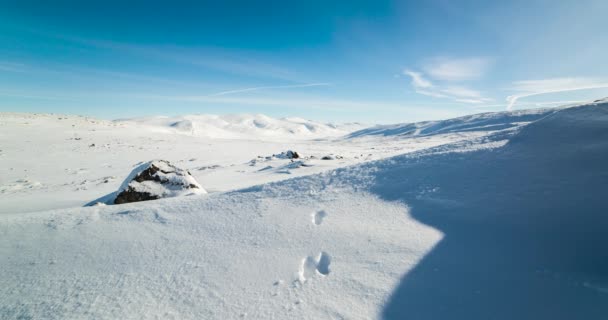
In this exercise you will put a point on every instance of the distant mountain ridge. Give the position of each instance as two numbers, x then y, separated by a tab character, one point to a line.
488	121
245	126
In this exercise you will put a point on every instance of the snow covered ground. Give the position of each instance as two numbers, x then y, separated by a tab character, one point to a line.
56	161
497	216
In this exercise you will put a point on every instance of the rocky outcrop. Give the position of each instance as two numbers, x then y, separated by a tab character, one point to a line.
155	180
289	154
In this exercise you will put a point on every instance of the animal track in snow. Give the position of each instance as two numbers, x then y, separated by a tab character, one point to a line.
311	266
317	217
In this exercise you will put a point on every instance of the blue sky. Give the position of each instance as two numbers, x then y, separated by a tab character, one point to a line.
370	61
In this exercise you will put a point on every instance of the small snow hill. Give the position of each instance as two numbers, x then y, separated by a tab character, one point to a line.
507	226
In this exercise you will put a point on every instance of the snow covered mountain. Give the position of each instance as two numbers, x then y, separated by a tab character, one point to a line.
245	126
510	224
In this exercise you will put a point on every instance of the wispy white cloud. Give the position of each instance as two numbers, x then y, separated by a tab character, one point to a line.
456	93
300	102
23	95
236	62
529	88
217	59
87	74
414	112
11	66
223	93
430	93
351	107
448	69
543	104
418	80
463	92
557	103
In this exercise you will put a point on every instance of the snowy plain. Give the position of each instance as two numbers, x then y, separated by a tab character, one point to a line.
491	216
57	161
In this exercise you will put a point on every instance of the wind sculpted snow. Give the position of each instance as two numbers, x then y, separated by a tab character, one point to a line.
509	225
254	254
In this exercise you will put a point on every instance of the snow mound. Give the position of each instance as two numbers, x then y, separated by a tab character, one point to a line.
157	179
491	121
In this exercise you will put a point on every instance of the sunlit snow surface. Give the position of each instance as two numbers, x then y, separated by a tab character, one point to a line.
468	224
55	161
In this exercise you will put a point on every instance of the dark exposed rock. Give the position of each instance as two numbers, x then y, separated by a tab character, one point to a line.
130	195
331	157
289	154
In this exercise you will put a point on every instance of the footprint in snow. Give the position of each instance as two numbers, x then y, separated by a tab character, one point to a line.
317	217
311	266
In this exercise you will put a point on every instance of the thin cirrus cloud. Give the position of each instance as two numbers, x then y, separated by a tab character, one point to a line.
307	85
529	88
418	80
457	69
11	67
456	93
225	61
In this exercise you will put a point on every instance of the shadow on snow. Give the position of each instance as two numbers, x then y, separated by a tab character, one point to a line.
526	225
